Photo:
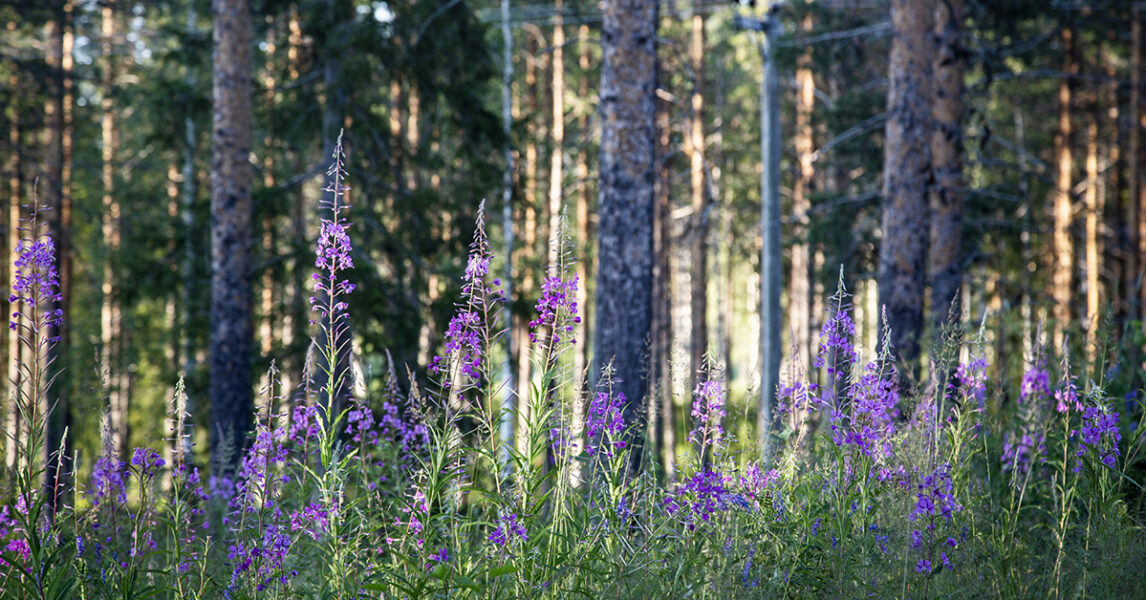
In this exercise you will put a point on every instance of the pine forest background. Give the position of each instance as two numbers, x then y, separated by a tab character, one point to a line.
1030	210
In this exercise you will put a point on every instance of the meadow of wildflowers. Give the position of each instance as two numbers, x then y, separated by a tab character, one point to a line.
948	491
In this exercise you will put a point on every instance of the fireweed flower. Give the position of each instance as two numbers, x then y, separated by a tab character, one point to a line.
1021	450
146	462
699	498
972	378
36	281
873	404
604	424
467	334
313	520
1036	385
556	308
707	414
507	529
1099	436
836	350
934	510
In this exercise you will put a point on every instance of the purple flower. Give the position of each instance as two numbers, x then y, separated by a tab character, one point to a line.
467	334
508	528
1036	384
699	498
556	308
332	255
312	519
36	282
1020	451
923	566
972	378
707	413
109	482
441	556
1099	436
147	462
604	424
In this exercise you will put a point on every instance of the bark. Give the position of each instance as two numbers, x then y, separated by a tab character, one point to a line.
558	136
946	244
625	248
12	421
698	276
1136	216
661	347
800	291
770	249
902	260
231	238
1092	243
1063	266
581	330
111	317
506	425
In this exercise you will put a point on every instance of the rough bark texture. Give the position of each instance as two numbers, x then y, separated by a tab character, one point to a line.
231	299
946	248
902	260
625	236
1064	199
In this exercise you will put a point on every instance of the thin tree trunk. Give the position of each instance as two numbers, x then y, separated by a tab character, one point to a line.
1092	201
1136	215
528	246
12	420
627	172
267	288
556	173
231	173
581	330
903	255
1063	267
110	313
698	276
661	351
800	288
945	250
509	396
294	328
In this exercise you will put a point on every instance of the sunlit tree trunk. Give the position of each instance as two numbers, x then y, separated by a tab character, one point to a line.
698	249
946	244
1136	190
625	236
1093	210
110	313
660	378
231	237
800	289
556	172
903	253
1063	265
12	420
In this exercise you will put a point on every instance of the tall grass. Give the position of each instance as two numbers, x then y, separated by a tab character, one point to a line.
954	491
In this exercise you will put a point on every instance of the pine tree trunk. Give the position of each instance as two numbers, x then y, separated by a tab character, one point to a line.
903	254
800	290
698	251
556	173
945	250
12	421
1063	266
1136	216
1092	200
231	238
110	313
661	350
625	237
